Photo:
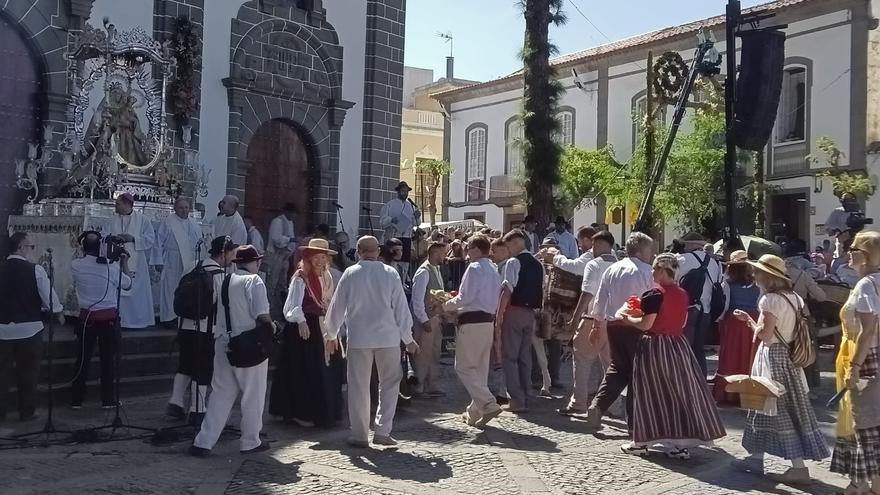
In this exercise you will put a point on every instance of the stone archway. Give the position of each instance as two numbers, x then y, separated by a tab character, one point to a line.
20	109
281	171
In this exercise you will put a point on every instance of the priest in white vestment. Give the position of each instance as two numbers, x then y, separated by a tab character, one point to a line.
177	238
136	305
229	222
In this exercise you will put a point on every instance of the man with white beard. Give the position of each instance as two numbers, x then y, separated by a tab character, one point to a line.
177	237
136	230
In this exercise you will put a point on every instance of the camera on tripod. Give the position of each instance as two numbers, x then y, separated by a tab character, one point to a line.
857	220
115	249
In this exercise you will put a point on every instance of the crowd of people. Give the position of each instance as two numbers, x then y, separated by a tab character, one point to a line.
360	323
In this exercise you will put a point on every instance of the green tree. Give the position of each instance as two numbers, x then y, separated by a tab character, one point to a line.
541	152
436	170
584	174
842	182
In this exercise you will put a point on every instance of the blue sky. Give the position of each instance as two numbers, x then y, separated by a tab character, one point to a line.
488	33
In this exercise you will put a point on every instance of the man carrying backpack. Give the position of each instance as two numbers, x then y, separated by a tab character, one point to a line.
193	303
700	275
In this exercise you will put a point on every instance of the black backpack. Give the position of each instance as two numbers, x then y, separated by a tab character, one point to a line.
194	295
694	281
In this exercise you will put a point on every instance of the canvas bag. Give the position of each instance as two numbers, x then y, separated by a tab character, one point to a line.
801	348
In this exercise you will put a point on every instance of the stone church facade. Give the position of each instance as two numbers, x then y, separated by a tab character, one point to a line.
297	100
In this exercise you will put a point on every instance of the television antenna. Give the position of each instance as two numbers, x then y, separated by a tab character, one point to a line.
447	36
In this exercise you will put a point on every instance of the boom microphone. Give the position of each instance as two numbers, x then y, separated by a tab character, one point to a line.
337	205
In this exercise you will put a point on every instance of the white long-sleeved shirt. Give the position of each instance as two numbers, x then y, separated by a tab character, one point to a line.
420	286
24	330
96	283
566	243
255	239
370	302
293	311
510	273
575	265
407	215
480	288
281	233
622	280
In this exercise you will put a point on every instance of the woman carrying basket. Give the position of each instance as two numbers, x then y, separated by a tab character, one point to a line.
671	403
793	433
857	450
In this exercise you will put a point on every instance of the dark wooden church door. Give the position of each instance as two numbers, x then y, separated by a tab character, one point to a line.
19	112
279	173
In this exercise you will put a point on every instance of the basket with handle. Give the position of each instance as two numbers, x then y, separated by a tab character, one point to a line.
753	394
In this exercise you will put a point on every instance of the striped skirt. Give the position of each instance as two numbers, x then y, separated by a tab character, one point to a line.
671	403
794	432
858	457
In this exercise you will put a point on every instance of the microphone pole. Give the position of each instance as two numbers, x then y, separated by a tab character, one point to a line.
369	219
339	214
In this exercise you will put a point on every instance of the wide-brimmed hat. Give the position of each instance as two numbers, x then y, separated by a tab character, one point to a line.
320	245
738	257
402	185
246	254
774	265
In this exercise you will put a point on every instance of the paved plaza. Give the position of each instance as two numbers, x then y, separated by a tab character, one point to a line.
536	453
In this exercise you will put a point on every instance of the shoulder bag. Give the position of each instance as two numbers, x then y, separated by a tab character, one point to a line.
250	347
801	348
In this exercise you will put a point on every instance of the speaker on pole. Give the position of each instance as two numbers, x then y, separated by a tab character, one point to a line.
758	87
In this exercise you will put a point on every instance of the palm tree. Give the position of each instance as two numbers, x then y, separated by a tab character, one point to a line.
540	149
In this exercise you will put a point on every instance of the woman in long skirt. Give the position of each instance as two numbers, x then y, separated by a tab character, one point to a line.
307	385
857	449
671	403
793	433
736	350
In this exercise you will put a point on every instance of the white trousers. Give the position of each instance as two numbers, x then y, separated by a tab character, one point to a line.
198	393
360	369
226	384
427	361
589	364
541	356
473	345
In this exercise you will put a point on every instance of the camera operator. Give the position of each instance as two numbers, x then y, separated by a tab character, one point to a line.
844	223
24	294
97	280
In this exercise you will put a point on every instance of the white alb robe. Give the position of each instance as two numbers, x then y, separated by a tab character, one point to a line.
233	226
176	241
136	305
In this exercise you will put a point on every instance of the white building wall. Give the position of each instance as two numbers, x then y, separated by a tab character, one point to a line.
350	21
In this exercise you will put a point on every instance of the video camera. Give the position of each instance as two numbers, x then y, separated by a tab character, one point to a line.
107	249
856	220
115	248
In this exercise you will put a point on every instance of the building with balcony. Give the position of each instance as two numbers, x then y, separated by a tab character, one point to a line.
831	87
422	135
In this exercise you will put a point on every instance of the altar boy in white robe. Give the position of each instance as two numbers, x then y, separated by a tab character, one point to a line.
177	237
136	305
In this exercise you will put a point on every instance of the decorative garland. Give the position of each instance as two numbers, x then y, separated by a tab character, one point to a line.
670	74
184	93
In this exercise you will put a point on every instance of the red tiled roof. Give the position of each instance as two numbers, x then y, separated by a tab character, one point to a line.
628	43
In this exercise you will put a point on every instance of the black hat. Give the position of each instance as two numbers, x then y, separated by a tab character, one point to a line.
402	185
246	254
222	244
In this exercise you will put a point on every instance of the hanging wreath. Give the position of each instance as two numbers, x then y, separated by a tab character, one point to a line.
670	74
184	94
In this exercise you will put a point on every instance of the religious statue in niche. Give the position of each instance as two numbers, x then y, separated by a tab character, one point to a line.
117	119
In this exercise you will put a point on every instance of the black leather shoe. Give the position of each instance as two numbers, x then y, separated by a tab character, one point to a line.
175	411
198	451
264	446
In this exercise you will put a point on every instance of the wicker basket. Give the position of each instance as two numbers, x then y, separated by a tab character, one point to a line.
753	394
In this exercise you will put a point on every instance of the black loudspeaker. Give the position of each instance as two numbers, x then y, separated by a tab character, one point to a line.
758	87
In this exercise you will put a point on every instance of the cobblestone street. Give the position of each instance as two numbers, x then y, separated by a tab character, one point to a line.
539	452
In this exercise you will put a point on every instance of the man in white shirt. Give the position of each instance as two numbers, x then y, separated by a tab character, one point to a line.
229	221
565	241
176	241
585	354
476	305
97	280
248	311
254	237
428	321
369	300
399	218
698	323
631	276
136	306
196	342
282	245
532	239
572	265
24	294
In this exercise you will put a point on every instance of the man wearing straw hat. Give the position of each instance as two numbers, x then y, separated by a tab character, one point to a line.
370	301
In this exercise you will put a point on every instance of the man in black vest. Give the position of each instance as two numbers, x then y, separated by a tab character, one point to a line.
522	291
24	294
